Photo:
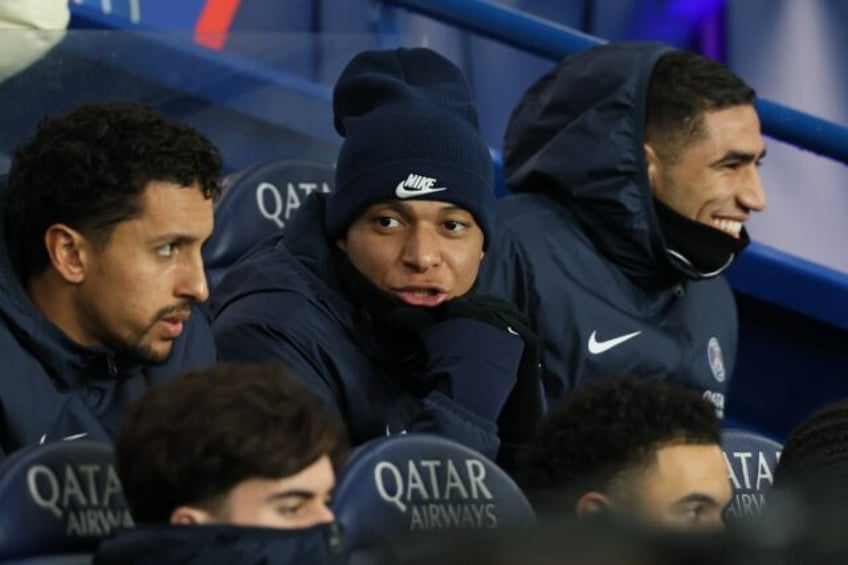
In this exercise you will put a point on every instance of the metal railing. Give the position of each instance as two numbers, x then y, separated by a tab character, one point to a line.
547	39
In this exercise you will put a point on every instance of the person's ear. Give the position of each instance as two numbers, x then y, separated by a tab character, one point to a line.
68	251
592	503
190	516
654	167
341	244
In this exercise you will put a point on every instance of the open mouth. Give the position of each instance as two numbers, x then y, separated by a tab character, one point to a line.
730	227
173	325
421	296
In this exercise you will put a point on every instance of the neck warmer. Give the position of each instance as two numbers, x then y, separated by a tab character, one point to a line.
699	250
390	327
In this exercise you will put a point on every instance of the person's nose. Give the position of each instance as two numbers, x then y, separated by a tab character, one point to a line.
752	196
192	284
421	249
325	515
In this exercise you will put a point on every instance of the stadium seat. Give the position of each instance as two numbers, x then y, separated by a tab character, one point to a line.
257	202
59	500
751	459
406	484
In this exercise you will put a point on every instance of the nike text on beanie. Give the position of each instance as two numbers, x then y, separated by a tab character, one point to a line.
410	132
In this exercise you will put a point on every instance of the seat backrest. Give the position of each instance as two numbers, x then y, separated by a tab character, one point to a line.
751	459
409	483
58	501
257	202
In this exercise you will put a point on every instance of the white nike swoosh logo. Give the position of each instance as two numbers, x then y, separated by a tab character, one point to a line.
402	192
596	347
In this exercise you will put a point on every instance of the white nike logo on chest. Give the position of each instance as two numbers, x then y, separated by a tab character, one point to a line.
596	347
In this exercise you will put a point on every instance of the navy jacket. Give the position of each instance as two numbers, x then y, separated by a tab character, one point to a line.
52	388
285	301
579	248
220	545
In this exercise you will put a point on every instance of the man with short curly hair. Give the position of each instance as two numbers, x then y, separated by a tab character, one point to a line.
103	214
641	448
816	450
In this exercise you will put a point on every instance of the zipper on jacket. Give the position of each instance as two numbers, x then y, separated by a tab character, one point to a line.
111	366
679	290
334	539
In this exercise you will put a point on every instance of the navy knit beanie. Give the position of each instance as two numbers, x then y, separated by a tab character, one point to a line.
410	132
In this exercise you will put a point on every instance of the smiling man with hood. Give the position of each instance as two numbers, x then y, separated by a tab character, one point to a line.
635	168
369	295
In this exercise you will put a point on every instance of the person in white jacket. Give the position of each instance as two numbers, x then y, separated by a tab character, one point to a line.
28	30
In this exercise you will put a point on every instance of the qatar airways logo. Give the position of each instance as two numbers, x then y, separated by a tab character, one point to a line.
751	473
277	204
88	498
435	494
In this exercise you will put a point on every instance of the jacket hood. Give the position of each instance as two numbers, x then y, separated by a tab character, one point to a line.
59	354
167	544
579	133
15	305
299	260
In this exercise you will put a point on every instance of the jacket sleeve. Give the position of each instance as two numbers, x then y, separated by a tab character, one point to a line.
440	414
251	330
271	327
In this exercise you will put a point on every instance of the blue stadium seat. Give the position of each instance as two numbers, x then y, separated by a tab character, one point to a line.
408	484
751	459
58	501
257	202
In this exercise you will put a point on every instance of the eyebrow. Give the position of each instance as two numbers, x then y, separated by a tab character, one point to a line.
302	494
742	156
698	497
297	493
177	238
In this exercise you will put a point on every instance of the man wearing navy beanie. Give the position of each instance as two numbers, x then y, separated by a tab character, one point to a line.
370	297
410	132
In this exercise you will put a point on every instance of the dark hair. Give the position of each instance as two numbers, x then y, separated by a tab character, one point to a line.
683	87
88	169
607	427
192	439
817	449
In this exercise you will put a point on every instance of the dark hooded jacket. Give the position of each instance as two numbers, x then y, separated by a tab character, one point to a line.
286	301
224	545
52	388
579	247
